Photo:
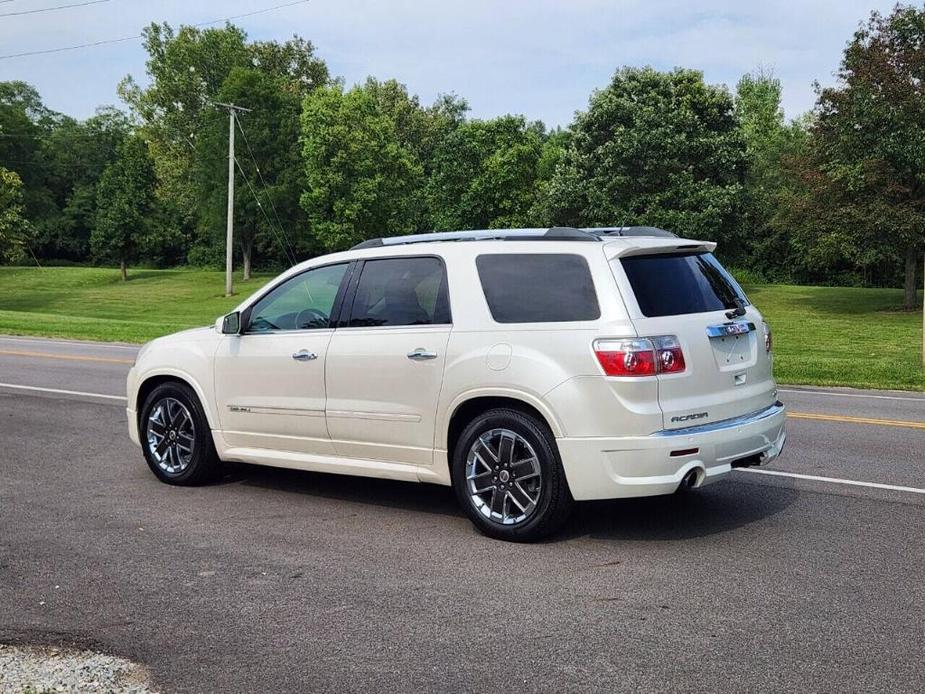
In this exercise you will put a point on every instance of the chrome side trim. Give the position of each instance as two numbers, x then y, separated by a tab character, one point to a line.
259	409
775	409
382	416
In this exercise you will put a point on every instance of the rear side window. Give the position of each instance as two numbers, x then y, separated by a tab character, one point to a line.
538	287
401	291
673	285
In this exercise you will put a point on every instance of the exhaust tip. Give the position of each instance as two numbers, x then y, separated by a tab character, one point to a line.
691	480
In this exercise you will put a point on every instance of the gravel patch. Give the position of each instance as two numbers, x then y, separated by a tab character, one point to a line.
42	670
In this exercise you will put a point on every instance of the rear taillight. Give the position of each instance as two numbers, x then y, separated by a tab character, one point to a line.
668	354
640	356
626	357
768	340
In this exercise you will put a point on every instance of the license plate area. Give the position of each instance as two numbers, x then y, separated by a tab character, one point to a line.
734	345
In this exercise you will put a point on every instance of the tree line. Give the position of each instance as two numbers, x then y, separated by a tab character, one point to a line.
836	195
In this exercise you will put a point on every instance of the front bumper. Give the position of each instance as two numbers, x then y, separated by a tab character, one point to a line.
131	388
612	468
132	416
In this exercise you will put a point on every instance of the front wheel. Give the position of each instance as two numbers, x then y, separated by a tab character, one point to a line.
175	436
508	477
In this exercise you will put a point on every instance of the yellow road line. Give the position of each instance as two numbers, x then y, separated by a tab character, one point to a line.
857	420
68	357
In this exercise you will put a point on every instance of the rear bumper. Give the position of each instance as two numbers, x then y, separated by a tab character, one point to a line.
612	468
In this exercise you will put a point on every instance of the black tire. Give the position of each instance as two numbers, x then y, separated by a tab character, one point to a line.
553	500
201	464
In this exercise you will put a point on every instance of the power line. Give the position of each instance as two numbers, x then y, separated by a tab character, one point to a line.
263	182
138	36
279	240
52	9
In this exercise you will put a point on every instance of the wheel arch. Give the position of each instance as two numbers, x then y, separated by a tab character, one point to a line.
466	408
152	380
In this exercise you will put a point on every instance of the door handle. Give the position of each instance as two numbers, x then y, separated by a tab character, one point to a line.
421	354
304	355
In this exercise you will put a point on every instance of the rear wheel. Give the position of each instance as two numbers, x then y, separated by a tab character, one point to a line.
508	476
176	437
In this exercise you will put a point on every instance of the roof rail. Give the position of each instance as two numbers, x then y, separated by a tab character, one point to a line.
632	231
550	234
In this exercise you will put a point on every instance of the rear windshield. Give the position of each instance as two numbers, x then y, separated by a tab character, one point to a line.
538	287
672	285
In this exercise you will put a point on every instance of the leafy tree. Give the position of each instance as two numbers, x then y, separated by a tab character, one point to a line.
24	123
74	156
188	68
59	160
658	148
363	181
13	225
864	177
769	143
485	174
267	212
419	130
125	197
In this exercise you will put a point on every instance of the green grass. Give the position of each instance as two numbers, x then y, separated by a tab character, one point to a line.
822	335
94	304
842	336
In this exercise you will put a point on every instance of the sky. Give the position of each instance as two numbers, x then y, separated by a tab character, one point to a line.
540	58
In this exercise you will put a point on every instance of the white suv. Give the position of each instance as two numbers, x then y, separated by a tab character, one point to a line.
527	368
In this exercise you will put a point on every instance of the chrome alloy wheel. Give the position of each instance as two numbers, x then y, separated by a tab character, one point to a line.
503	476
171	435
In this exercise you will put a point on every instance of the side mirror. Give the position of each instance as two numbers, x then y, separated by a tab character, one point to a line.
231	324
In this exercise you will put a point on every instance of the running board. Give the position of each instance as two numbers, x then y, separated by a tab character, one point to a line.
332	464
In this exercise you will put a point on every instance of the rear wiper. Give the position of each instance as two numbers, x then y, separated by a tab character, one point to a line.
739	309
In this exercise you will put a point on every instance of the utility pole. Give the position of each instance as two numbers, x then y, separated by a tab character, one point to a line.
229	228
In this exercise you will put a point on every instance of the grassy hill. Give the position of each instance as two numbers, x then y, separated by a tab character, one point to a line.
94	304
822	335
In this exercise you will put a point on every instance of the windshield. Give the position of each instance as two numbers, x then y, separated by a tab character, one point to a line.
678	284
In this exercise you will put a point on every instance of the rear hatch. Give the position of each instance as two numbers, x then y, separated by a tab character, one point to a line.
679	288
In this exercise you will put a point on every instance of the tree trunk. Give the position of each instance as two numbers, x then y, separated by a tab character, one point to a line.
247	250
912	258
124	270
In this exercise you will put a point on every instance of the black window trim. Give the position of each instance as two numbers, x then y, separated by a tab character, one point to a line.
594	287
351	292
335	309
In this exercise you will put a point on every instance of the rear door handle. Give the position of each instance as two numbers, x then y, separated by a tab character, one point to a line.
304	355
421	354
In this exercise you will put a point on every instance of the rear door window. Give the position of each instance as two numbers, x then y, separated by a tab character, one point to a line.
401	291
538	287
678	284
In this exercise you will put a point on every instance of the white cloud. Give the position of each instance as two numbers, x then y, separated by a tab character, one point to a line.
537	57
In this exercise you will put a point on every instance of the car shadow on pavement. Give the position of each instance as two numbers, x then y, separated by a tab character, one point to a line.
716	509
413	496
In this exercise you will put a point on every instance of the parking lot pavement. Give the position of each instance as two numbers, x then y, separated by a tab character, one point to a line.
275	580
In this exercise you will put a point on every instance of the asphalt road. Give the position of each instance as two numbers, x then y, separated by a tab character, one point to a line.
275	580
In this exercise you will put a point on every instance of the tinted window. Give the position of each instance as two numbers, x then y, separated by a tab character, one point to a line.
401	291
303	302
538	287
671	285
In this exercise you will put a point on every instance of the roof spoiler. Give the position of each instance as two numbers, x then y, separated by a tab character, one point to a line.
658	246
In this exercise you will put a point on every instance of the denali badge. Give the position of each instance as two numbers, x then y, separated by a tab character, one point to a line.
689	417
